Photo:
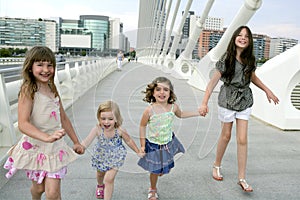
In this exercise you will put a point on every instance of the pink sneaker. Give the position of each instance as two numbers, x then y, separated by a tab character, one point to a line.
100	191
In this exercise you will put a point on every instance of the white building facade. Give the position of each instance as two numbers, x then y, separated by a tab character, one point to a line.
280	45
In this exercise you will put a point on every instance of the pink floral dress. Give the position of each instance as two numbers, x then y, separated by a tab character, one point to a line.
41	159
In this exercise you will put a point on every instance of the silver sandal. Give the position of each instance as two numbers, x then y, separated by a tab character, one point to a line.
244	185
220	176
152	193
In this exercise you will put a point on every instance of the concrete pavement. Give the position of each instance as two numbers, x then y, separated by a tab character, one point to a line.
273	161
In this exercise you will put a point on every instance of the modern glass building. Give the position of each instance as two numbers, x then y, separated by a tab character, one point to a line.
98	25
74	39
22	33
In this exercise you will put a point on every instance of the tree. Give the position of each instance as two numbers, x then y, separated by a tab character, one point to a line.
5	53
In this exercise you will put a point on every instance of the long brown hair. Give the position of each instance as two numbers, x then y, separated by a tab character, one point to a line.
36	54
247	56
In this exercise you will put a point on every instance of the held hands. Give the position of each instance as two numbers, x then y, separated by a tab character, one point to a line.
203	110
78	148
58	134
141	152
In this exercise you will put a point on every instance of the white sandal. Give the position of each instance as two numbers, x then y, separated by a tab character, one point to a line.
220	176
245	186
152	193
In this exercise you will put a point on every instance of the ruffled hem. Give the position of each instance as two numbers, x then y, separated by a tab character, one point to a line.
39	175
105	163
21	159
159	159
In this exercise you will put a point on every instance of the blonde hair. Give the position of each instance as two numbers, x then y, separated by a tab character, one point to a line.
110	106
36	54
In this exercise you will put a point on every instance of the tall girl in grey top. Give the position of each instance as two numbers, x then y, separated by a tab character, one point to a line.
236	69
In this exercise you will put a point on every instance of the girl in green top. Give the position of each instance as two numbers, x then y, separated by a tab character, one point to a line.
159	143
236	69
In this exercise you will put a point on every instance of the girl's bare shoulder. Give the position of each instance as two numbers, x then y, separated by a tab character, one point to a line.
121	131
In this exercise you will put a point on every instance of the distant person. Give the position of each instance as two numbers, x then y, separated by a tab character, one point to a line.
236	69
132	55
109	153
42	151
160	143
120	58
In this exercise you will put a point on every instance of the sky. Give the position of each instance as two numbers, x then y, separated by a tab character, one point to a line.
275	18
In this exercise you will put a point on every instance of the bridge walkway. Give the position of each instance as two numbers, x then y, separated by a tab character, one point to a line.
273	162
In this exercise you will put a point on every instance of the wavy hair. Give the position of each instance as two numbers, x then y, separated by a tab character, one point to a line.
151	87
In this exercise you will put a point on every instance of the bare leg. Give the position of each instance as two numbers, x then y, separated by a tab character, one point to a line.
242	147
109	179
222	145
100	177
100	185
37	190
153	182
52	188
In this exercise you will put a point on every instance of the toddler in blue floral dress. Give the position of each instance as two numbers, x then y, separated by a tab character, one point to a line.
109	153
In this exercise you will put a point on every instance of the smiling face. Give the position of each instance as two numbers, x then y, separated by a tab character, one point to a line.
161	92
242	39
43	71
107	120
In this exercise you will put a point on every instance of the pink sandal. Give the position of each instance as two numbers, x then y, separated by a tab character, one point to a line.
100	191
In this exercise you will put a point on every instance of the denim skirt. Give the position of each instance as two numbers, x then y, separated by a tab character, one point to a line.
159	159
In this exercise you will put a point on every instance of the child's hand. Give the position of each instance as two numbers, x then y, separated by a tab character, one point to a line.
58	134
78	148
141	152
141	155
272	97
203	110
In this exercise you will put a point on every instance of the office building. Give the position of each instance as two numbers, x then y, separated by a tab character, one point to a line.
280	44
118	41
213	24
25	33
74	39
98	25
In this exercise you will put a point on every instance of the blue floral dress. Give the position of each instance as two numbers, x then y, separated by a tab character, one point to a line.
108	153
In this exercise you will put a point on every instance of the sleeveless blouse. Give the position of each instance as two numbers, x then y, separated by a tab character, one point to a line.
160	127
108	153
33	154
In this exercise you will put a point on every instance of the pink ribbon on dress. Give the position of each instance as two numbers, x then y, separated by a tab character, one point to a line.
41	157
41	177
53	114
9	166
61	154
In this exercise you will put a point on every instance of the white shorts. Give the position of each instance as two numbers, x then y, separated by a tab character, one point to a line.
119	63
226	115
